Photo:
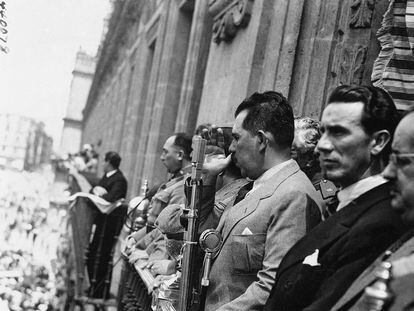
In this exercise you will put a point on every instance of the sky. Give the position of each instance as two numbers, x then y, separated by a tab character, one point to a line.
43	39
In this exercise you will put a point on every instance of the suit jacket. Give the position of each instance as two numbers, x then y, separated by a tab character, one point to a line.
116	185
402	286
347	242
277	215
209	216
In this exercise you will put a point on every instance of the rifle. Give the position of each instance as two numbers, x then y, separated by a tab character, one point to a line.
188	293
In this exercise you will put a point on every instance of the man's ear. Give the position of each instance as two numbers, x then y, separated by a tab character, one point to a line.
263	140
180	155
379	140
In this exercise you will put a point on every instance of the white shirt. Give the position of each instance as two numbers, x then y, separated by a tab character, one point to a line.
350	193
262	179
110	173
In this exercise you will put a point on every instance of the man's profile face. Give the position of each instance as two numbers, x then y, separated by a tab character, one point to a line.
170	156
107	167
245	149
344	148
400	172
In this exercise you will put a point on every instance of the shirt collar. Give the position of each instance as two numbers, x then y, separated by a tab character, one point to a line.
350	193
110	173
184	171
262	179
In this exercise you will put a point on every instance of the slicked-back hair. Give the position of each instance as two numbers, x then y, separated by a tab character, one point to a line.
379	111
113	158
184	141
269	112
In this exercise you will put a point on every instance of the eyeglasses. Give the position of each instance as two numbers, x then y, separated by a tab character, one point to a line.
401	159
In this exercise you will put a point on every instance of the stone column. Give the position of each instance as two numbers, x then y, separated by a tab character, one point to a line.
280	50
200	37
164	89
149	98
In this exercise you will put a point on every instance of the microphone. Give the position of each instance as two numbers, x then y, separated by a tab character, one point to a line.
210	243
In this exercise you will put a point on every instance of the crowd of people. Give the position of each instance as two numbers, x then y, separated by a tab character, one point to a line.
27	285
305	210
86	160
32	231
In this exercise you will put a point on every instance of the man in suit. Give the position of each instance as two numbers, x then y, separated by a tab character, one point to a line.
357	125
113	185
281	205
400	173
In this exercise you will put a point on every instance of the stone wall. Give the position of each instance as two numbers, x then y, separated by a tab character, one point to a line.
168	65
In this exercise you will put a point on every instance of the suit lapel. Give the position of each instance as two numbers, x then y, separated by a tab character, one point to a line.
235	216
248	205
333	228
368	276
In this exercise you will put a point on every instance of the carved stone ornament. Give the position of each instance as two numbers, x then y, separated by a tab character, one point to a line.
352	65
361	13
229	16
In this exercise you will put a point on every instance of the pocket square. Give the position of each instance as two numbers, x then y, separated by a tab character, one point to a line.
246	231
312	259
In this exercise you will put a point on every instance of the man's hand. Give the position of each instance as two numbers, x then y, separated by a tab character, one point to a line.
215	140
159	279
215	160
129	245
163	266
99	191
215	164
136	255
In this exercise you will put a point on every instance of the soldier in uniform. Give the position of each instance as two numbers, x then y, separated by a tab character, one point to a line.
176	158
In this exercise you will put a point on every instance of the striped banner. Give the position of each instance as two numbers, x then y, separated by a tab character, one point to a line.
394	68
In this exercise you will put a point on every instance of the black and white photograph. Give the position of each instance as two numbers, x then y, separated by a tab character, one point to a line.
207	155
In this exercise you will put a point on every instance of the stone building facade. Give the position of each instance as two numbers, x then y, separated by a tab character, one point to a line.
168	65
82	76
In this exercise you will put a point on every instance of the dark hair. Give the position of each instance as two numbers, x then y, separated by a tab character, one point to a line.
113	158
379	112
184	141
271	112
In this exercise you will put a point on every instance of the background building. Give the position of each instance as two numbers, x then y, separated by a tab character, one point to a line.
24	143
168	65
79	89
39	147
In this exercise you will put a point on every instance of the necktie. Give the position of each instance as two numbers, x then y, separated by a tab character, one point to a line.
242	192
331	206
